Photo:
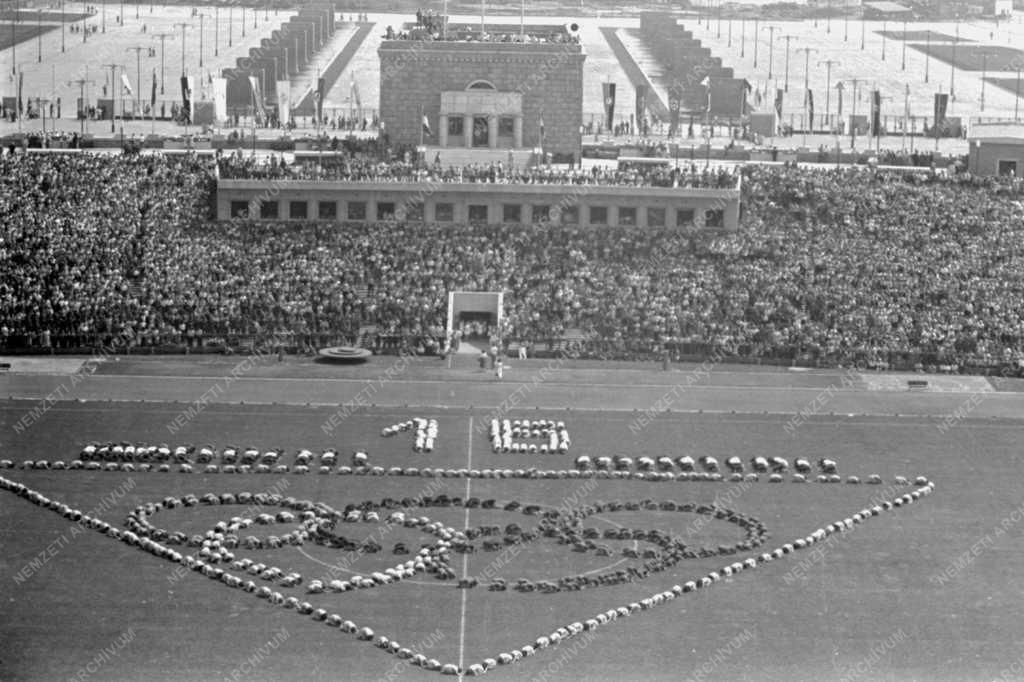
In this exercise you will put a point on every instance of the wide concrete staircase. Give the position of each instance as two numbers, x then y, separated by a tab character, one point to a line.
461	156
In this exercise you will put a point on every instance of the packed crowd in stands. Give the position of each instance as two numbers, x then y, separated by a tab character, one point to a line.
431	26
353	169
830	264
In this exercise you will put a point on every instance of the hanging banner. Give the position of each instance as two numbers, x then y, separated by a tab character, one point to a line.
675	103
127	84
284	102
941	102
641	104
186	99
257	94
191	108
320	93
220	99
608	90
876	113
778	106
355	95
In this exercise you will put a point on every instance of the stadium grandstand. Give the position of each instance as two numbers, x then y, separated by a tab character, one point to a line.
97	244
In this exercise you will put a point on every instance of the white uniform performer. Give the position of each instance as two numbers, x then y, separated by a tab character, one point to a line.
499	368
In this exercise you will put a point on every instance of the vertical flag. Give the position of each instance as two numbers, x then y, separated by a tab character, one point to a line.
21	86
426	125
810	109
641	105
283	102
127	84
186	99
320	87
541	124
257	94
778	105
876	113
675	97
608	90
906	108
191	82
152	95
941	102
839	89
220	98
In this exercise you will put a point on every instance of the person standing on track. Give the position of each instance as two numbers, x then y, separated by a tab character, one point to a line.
499	368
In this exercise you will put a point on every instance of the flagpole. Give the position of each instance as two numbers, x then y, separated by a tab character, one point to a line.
876	109
254	120
421	124
542	155
853	120
522	22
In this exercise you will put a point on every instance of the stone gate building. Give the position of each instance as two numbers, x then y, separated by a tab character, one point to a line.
484	99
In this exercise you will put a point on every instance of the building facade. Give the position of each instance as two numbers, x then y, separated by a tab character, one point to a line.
483	96
996	149
470	202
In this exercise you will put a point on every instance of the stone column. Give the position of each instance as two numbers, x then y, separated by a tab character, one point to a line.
517	131
442	133
732	215
467	130
492	132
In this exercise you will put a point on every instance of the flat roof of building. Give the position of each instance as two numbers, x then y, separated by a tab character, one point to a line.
887	6
1008	133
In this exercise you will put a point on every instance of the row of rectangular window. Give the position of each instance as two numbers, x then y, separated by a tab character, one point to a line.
478	213
456	125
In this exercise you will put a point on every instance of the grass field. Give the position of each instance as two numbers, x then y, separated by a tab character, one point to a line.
1009	84
934	36
22	33
975	57
806	617
28	16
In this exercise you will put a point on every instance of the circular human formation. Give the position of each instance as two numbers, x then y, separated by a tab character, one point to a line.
318	522
390	645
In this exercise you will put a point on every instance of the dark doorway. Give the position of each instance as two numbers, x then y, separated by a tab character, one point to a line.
481	131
